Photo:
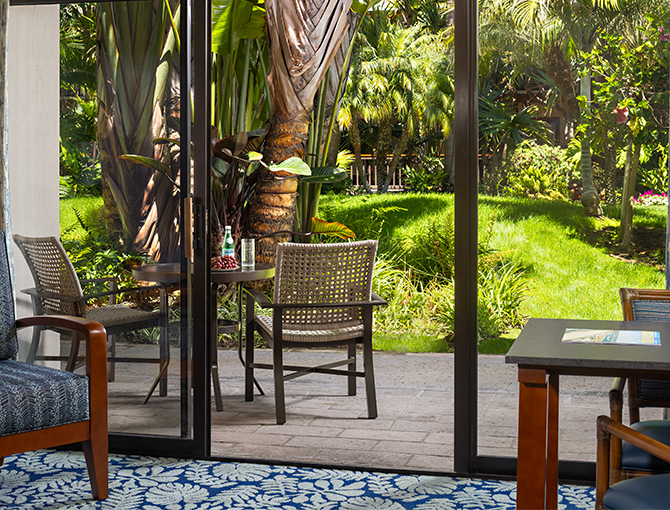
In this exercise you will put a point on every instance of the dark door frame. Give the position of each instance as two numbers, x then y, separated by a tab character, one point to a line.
194	62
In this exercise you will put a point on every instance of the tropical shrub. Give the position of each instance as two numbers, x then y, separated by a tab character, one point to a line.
420	288
537	171
428	175
98	255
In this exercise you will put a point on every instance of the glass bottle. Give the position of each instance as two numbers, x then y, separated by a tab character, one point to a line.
228	250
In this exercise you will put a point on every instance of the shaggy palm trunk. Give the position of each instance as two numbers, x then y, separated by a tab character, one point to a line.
397	154
355	139
303	38
273	205
381	151
133	74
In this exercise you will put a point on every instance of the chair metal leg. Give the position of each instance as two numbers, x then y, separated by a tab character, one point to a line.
278	368
250	329
34	344
368	368
74	351
351	354
111	365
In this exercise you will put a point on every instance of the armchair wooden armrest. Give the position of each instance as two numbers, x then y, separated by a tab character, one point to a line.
607	428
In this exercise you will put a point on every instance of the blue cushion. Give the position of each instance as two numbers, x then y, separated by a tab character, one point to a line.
643	493
633	457
9	347
33	397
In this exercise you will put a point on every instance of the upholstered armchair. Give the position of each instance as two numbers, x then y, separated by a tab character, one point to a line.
42	407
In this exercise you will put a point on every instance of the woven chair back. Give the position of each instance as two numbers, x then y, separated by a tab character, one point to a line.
651	310
54	274
9	346
644	307
323	274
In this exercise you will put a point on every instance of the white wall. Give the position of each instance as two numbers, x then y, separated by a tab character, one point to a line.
33	74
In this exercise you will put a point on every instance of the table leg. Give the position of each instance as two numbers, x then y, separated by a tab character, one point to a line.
214	360
532	449
164	342
552	443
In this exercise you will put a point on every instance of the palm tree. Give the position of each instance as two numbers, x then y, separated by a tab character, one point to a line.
303	38
562	25
136	47
393	84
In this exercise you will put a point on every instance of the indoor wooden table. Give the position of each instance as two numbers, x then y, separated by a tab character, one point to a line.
170	274
542	357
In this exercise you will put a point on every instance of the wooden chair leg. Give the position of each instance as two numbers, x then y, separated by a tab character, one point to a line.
2	461
97	467
351	354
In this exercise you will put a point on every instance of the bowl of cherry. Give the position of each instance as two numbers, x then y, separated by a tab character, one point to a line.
227	263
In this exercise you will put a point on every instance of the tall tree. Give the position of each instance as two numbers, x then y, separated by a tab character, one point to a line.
136	45
303	37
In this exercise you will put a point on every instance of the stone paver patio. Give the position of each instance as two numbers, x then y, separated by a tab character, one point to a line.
414	430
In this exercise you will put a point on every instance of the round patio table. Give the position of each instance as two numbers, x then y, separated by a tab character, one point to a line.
171	273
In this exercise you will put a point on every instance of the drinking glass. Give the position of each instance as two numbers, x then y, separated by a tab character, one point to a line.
248	255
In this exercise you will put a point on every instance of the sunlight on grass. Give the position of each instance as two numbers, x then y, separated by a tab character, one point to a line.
404	342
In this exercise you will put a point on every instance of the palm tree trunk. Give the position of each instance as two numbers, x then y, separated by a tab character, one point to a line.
397	153
355	139
303	37
590	197
630	177
383	144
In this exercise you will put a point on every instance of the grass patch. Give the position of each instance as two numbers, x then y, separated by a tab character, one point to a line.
404	342
575	267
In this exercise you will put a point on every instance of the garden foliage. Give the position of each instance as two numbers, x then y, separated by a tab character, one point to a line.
537	171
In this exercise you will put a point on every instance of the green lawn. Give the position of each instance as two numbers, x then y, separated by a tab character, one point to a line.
569	277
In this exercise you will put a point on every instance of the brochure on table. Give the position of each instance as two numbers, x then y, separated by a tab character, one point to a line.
609	336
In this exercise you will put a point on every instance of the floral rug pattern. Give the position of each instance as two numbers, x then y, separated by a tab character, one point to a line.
53	479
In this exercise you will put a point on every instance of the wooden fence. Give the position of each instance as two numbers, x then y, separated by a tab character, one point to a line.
371	174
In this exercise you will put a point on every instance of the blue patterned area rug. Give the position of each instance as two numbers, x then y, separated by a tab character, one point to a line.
53	479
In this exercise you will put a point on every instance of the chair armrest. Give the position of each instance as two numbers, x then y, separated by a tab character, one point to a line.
98	280
94	333
120	291
260	298
607	427
51	295
264	302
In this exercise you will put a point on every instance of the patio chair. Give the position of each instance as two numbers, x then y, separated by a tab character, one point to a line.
58	291
41	407
641	493
628	461
322	298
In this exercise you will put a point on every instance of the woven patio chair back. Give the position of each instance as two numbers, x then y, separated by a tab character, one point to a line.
323	274
53	274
